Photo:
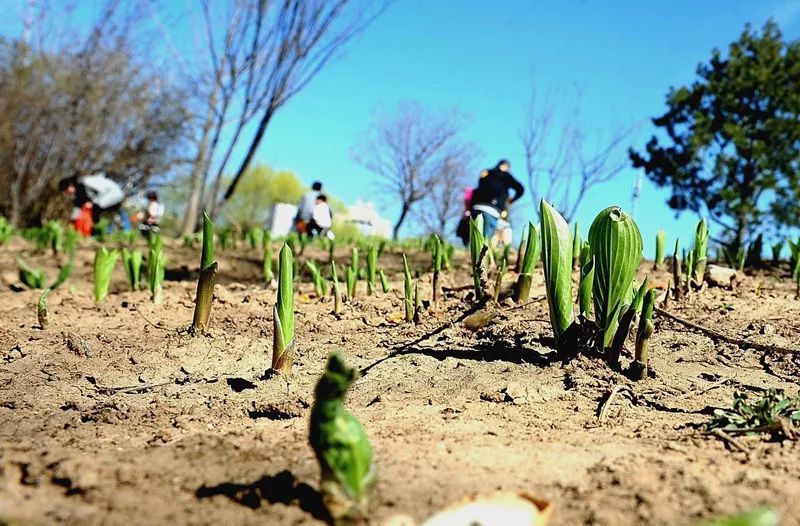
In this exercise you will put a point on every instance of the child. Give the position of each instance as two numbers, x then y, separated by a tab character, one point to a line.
150	217
321	218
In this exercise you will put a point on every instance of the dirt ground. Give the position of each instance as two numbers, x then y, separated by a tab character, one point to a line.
115	415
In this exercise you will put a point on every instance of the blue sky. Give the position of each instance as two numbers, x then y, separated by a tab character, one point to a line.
484	57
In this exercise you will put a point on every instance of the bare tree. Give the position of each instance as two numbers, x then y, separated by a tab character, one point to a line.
561	164
408	151
265	53
444	202
87	105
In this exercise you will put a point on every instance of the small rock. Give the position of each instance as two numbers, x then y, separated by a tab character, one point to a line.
721	276
767	329
77	344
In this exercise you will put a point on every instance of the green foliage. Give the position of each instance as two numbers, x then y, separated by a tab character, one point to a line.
351	279
320	286
41	309
33	278
732	137
577	244
384	281
478	250
156	267
530	257
638	368
132	262
340	445
205	282
283	346
408	291
54	233
767	414
661	240
104	261
337	295
585	289
207	255
6	230
616	246
557	263
372	265
758	517
254	236
737	259
700	252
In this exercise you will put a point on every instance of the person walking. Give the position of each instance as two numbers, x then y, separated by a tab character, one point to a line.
93	196
305	208
491	197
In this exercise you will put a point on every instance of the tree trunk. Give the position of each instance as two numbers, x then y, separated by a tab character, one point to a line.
398	224
198	174
251	151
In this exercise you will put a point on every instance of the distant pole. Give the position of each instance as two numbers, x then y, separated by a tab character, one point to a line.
637	190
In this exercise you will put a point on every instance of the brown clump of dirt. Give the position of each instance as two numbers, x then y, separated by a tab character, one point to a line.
115	415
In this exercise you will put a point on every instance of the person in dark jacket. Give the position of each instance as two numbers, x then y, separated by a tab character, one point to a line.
491	198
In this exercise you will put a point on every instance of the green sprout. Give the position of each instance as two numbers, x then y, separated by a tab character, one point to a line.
320	286
498	280
205	282
337	294
132	262
661	240
523	241
372	264
351	280
104	261
700	252
354	260
332	249
417	301
54	232
33	278
585	289
41	309
557	262
408	291
577	244
638	368
737	259
266	238
478	254
254	237
436	264
447	255
283	343
776	252
156	266
617	251
341	446
531	254
677	276
626	316
384	281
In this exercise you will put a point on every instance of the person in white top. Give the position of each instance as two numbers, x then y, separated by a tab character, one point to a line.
321	217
